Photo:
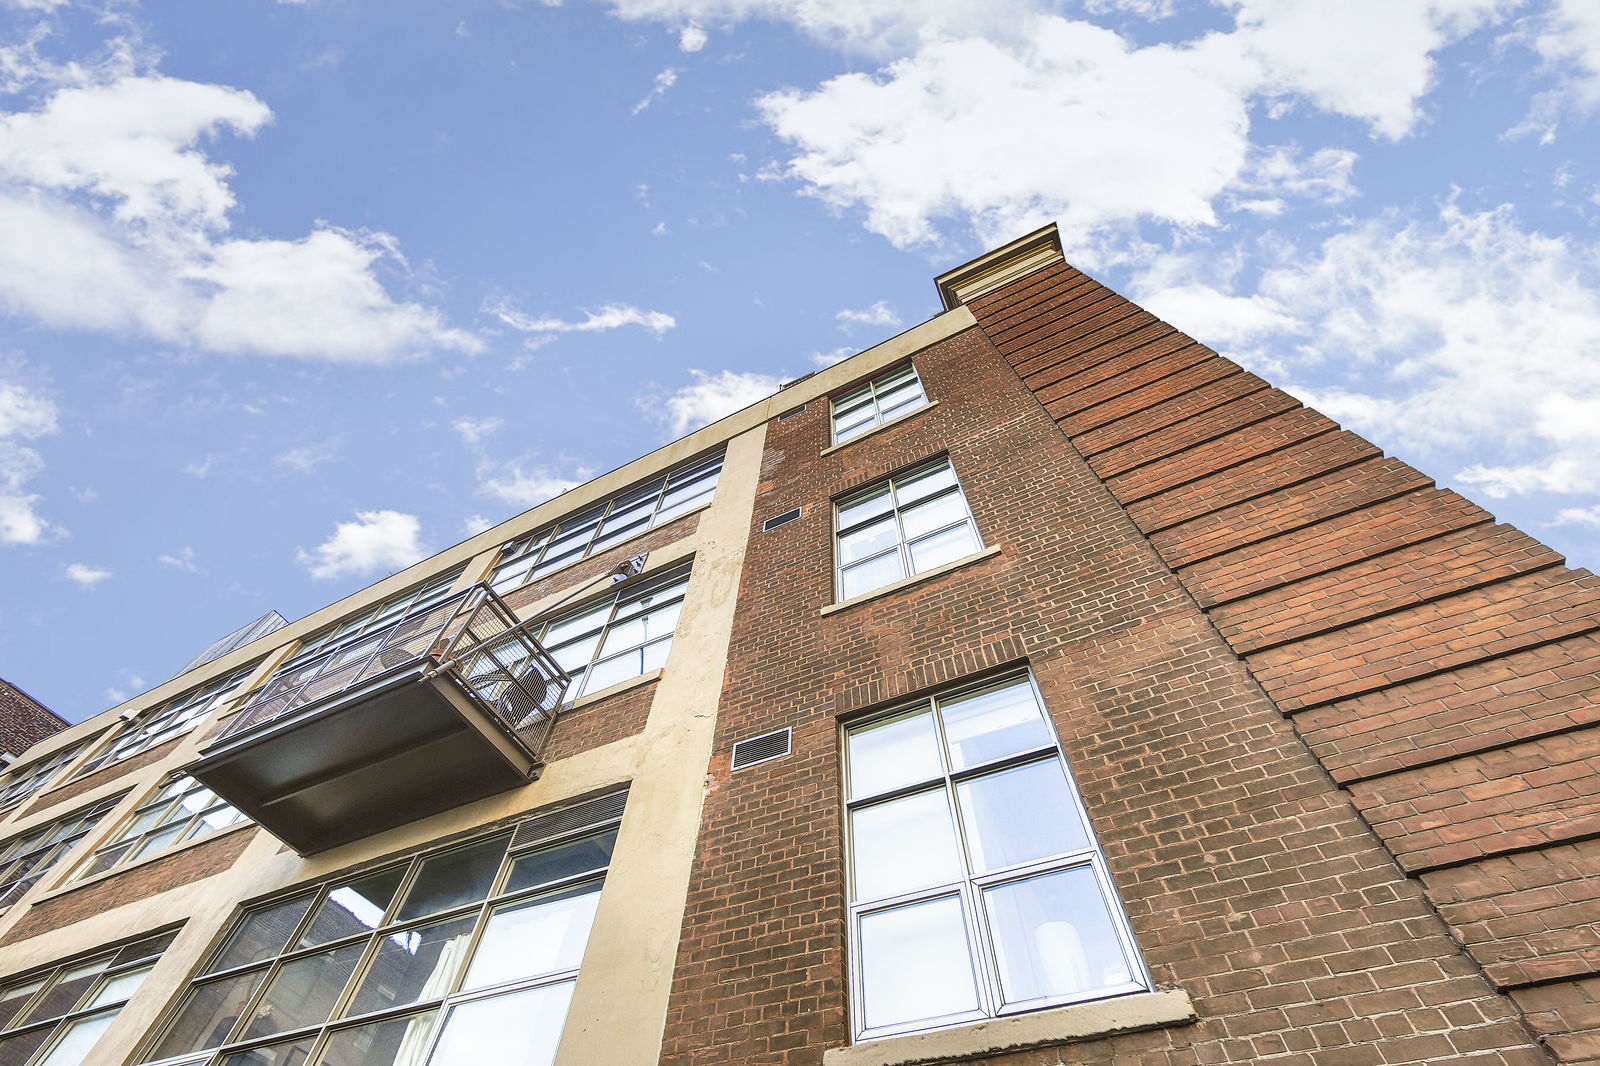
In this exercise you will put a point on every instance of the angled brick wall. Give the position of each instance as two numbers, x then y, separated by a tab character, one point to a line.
24	721
1441	667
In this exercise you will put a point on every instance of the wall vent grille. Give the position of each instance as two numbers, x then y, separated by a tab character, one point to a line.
761	749
579	816
780	520
791	412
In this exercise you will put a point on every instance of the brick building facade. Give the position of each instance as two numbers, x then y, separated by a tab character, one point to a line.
1036	687
24	721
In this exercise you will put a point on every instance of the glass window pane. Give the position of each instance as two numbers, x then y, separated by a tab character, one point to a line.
151	845
521	1029
565	629
868	540
577	655
890	399
855	429
924	483
396	1042
63	996
941	548
290	1053
353	908
1054	937
1020	815
414	964
887	755
209	1014
78	1040
933	514
993	724
11	999
861	508
652	624
915	963
614	671
562	861
302	992
543	935
16	1050
263	933
862	578
118	989
904	844
454	878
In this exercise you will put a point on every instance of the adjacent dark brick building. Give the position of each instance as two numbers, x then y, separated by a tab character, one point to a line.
24	721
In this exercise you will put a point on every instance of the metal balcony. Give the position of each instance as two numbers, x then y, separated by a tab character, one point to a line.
449	704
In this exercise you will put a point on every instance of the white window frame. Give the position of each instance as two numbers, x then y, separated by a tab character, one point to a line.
166	721
112	978
868	399
845	525
597	620
181	810
970	886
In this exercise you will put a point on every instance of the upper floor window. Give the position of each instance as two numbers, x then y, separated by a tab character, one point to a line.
25	781
625	515
976	886
884	398
26	858
55	1018
183	810
455	957
624	635
391	610
907	525
162	723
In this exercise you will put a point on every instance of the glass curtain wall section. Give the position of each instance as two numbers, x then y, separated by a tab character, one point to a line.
456	957
910	524
183	810
376	617
169	720
621	636
887	396
26	858
56	1017
607	524
27	780
976	886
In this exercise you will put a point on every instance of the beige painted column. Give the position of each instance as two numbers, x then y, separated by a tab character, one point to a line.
619	1008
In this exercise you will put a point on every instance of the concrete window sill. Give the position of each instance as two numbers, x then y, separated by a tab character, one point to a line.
914	579
879	428
1022	1032
612	690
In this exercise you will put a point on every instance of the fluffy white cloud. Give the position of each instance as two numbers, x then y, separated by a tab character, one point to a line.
611	316
105	188
375	540
305	458
879	314
25	414
85	577
711	397
524	485
475	430
665	80
692	38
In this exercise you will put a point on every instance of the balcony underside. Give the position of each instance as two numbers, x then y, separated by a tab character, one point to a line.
395	749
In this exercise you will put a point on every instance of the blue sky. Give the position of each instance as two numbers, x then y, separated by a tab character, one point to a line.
294	293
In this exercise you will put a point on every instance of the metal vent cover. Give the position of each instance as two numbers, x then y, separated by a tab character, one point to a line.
579	816
791	412
780	520
764	748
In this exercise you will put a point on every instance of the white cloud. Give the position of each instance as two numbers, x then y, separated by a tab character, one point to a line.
85	577
524	485
305	458
1582	516
474	524
879	314
822	360
665	80
1567	37
131	683
475	430
25	414
182	559
611	316
711	397
692	38
375	540
105	188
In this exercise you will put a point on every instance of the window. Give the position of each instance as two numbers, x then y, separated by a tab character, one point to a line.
606	524
183	810
624	635
885	397
55	1018
166	721
457	957
976	886
376	617
908	525
27	780
25	859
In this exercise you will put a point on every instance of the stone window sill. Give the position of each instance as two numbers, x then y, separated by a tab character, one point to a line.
914	579
880	427
1022	1032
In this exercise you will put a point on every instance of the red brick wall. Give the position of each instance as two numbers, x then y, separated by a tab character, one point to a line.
1249	878
24	721
1440	667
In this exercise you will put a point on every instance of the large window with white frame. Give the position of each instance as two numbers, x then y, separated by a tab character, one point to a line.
606	524
621	636
170	719
24	781
976	886
183	809
29	856
57	1016
886	397
459	956
910	524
